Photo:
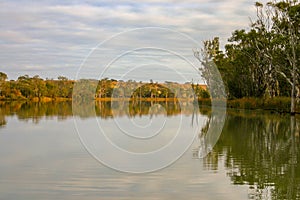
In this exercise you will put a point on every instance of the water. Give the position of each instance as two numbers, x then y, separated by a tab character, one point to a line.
256	157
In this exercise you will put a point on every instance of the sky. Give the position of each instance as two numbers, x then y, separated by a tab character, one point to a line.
123	39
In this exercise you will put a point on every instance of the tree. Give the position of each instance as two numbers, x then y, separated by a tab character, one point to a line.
25	87
39	86
64	87
209	70
264	61
52	88
62	78
279	23
249	74
3	76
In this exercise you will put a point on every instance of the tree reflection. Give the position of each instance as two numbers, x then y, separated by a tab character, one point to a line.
2	120
35	111
261	151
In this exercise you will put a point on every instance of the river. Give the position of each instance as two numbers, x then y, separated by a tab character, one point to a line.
256	156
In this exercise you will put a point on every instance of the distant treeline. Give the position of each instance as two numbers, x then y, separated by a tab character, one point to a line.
37	89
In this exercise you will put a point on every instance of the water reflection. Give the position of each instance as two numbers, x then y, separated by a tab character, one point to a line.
30	111
258	150
34	111
261	151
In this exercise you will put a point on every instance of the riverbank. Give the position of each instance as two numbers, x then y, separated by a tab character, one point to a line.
35	99
278	104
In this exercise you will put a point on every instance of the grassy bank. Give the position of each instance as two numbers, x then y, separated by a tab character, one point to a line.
278	104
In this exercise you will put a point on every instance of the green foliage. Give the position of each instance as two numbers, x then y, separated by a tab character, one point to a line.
259	62
84	90
37	89
26	87
3	76
267	153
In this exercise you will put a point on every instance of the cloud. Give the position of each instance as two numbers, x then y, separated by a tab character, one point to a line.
54	33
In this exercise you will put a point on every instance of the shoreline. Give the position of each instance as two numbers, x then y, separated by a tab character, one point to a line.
278	104
48	99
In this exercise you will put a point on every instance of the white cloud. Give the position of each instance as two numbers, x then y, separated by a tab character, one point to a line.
54	33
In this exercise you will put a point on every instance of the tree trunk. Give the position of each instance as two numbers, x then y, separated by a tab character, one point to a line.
293	100
293	96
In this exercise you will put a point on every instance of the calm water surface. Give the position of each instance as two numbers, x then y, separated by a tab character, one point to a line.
256	157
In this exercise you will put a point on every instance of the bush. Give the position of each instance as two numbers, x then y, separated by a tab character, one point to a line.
279	104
